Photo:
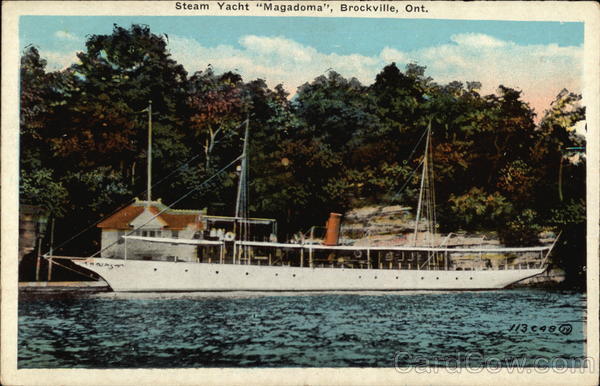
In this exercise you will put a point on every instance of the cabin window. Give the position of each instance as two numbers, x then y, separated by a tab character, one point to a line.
151	233
175	234
144	233
120	239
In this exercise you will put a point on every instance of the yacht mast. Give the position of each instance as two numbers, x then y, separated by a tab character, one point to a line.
240	205
426	192
149	171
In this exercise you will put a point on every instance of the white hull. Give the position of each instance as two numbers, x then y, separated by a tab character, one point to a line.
157	276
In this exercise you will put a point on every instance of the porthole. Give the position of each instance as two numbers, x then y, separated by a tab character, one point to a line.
155	269
396	277
294	275
217	272
186	270
276	274
246	273
437	278
360	277
422	278
375	277
470	278
456	278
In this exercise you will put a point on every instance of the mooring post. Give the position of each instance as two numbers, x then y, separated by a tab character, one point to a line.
37	265
51	250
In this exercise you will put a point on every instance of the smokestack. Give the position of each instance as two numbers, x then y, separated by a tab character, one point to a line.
333	229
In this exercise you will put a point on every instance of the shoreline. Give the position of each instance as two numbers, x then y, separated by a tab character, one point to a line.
31	290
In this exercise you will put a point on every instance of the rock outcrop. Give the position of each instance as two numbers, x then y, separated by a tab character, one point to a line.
394	225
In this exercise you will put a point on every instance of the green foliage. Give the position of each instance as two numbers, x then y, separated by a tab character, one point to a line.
478	209
517	181
570	212
521	230
40	188
96	189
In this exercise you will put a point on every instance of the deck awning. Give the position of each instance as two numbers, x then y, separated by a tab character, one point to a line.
170	240
391	248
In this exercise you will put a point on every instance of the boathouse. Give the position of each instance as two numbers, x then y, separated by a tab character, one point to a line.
148	220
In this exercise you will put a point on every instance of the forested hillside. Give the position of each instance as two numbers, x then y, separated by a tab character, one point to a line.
335	144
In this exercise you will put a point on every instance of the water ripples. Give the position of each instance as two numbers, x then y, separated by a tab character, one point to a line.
314	330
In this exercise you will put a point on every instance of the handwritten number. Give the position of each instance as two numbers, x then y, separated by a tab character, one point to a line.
564	328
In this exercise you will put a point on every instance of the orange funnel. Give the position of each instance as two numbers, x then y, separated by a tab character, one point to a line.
333	229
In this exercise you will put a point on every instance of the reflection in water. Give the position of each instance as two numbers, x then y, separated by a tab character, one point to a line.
243	329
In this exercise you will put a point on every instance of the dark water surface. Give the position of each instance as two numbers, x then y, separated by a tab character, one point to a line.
309	330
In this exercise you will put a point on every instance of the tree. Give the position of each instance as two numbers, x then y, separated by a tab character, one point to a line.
402	100
336	124
40	96
561	167
216	106
91	123
479	210
117	77
271	122
558	141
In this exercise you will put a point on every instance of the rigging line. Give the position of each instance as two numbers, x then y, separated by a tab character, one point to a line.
430	192
401	190
412	153
91	226
173	172
71	269
167	207
125	204
417	144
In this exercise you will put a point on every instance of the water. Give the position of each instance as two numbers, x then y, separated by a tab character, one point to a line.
289	330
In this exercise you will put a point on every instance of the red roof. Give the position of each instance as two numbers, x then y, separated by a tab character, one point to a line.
173	219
